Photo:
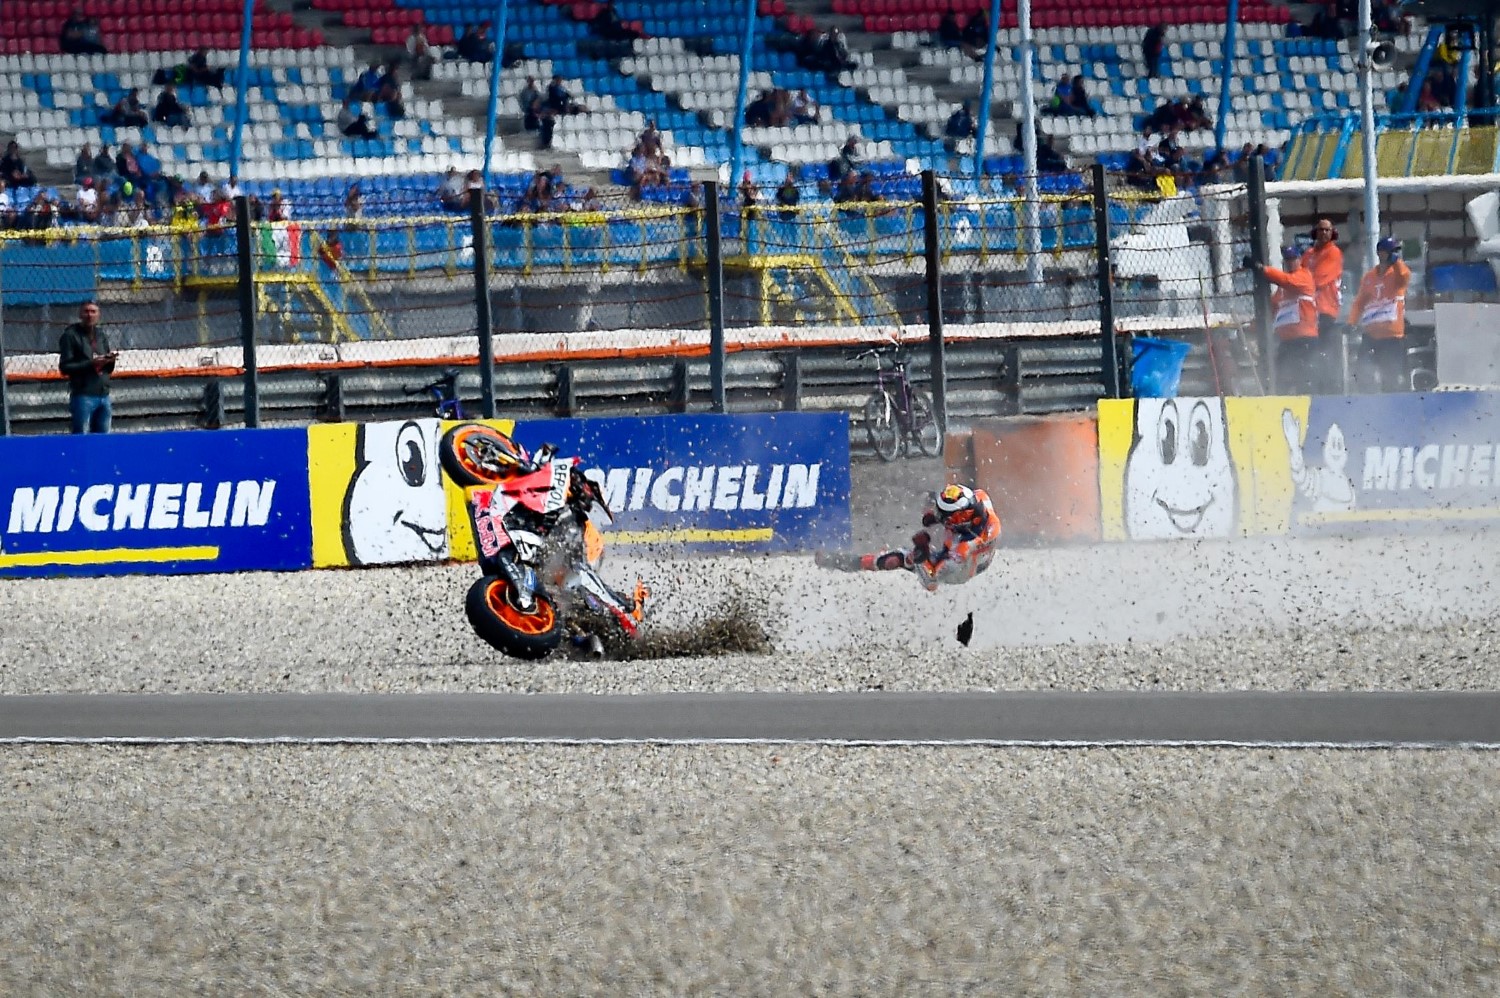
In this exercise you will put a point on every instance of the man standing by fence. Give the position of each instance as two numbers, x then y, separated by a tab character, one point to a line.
1300	362
1379	310
1326	263
85	358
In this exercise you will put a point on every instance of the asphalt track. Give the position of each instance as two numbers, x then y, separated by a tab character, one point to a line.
1307	719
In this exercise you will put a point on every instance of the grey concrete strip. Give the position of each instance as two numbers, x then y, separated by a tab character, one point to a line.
1041	718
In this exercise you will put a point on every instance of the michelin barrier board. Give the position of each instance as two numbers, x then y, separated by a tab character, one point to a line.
226	501
768	482
344	495
1210	467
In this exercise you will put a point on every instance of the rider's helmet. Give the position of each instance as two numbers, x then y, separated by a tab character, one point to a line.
957	507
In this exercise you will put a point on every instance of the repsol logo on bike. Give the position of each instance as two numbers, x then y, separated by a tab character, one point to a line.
154	506
682	488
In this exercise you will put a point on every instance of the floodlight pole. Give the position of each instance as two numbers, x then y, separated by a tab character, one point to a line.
1367	136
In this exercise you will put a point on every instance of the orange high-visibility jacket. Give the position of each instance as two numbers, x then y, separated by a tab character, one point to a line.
1327	266
1292	304
1380	307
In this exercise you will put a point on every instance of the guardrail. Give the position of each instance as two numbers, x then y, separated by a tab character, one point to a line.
1326	146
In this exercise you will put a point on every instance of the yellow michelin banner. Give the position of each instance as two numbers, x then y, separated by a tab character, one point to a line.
379	495
1199	467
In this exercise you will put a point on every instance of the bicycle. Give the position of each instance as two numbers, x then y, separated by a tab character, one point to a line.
444	392
900	415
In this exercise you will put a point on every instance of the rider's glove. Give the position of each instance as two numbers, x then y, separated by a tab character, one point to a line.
929	518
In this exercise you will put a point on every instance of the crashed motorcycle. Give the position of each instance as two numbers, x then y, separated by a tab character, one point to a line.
539	550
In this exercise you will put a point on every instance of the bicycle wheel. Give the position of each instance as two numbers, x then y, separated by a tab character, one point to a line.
881	428
924	430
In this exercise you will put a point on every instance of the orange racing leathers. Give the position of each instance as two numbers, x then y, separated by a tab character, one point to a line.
956	552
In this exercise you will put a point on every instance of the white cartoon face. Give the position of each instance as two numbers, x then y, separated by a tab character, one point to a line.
1179	479
1335	451
396	511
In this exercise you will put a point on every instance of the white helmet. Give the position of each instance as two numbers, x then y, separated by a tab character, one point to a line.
956	504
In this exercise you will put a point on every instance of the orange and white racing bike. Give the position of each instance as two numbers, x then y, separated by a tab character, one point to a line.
539	551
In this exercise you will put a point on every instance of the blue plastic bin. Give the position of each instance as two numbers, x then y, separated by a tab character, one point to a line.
1156	366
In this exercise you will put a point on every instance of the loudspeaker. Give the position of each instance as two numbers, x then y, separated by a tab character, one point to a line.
1382	54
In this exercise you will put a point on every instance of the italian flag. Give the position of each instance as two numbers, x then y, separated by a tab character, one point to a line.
280	244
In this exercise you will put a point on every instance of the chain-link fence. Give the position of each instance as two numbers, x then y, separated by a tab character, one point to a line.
376	284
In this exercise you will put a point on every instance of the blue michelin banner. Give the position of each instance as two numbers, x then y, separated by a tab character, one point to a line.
769	482
225	501
1376	459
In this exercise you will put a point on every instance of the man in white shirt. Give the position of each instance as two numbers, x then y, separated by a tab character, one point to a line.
7	208
88	201
204	191
232	188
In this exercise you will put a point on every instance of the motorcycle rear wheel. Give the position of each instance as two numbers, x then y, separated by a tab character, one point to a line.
471	452
492	612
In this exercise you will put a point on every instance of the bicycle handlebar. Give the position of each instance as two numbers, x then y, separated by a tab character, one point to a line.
448	381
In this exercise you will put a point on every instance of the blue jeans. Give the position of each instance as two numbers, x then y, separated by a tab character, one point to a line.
91	413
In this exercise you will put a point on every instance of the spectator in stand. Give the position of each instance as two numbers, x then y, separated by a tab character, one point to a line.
803	109
13	168
42	212
86	204
220	211
536	116
104	167
847	190
834	53
7	208
607	25
388	91
1268	159
201	74
1215	166
650	141
203	192
976	37
1427	101
749	191
559	101
539	195
127	112
475	44
85	359
232	187
80	35
1446	89
1152	47
83	166
354	123
645	171
366	86
419	52
169	110
452	193
354	202
848	161
1141	168
279	209
1048	160
1079	104
187	210
961	122
1061	100
789	195
331	249
950	32
1450	49
150	167
758	112
1326	23
809	45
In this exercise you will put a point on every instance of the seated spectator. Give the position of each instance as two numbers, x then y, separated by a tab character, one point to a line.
187	212
847	190
476	45
789	195
1427	101
1141	170
127	112
589	201
539	195
80	35
950	32
1196	115
650	140
220	211
834	52
104	167
203	192
232	187
1061	100
1152	47
354	202
419	52
83	166
1446	89
1450	48
388	91
7	208
849	160
645	171
200	74
1268	158
607	25
758	112
331	249
86	204
1079	104
536	116
559	101
42	212
809	47
452	193
13	168
1326	23
169	110
279	209
803	110
749	191
961	123
354	123
1215	168
976	37
366	86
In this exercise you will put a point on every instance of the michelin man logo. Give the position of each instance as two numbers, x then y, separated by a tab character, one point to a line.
1179	479
395	510
1328	489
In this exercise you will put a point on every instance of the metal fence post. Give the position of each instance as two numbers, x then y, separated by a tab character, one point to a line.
933	251
1266	333
481	240
1110	356
246	283
715	297
4	387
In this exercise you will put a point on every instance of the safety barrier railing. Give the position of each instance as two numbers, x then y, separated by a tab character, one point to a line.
1437	143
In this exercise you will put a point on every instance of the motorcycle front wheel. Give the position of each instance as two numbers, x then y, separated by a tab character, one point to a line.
492	612
475	454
